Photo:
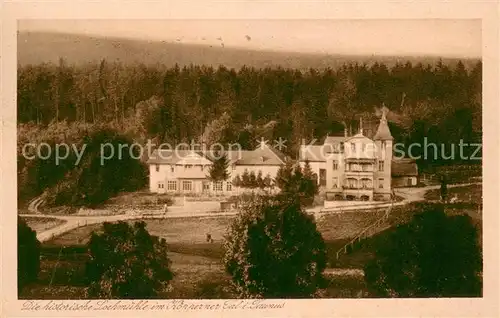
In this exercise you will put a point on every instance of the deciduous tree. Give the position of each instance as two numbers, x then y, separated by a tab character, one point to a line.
434	255
126	262
28	255
274	250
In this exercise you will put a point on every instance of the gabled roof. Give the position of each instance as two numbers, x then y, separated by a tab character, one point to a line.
313	153
358	136
333	140
404	168
263	155
168	156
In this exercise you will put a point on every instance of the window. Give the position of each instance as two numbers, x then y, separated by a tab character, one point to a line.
366	183
335	182
353	147
206	186
189	166
366	167
161	185
187	185
382	144
171	168
335	165
352	183
201	167
157	168
322	177
381	165
233	167
229	186
355	167
172	185
381	183
218	186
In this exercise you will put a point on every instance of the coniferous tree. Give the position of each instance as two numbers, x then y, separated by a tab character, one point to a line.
219	168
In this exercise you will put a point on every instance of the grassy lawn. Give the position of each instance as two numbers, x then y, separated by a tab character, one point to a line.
139	198
472	193
197	264
364	251
346	225
457	173
40	224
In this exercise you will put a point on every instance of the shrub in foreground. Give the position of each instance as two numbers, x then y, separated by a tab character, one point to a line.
434	255
274	250
126	262
28	255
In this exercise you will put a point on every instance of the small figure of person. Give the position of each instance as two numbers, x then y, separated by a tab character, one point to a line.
209	237
165	208
444	189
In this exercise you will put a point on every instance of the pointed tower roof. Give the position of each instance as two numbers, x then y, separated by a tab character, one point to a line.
383	131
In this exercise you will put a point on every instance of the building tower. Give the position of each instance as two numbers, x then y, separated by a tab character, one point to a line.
383	141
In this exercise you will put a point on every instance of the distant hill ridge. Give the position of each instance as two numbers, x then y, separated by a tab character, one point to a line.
48	47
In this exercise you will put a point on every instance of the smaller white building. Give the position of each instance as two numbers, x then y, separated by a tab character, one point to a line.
186	171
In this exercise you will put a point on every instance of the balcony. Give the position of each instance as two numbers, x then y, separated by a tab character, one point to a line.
359	174
356	188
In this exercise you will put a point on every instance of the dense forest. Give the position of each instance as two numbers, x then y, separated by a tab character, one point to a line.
218	104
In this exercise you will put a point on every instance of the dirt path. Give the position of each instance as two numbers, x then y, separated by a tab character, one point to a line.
72	221
418	194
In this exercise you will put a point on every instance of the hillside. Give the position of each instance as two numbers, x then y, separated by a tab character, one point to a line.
44	47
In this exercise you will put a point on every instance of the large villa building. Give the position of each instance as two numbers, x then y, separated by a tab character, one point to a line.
356	167
359	167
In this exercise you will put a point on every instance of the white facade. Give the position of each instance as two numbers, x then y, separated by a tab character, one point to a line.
187	171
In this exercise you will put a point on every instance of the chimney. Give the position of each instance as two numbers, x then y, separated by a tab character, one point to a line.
345	131
361	125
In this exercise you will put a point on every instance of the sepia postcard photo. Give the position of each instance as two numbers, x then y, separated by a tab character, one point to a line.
250	166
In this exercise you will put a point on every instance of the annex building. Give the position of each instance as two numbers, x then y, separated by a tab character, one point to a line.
186	171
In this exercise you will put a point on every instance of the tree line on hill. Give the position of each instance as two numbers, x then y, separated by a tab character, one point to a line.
183	104
116	103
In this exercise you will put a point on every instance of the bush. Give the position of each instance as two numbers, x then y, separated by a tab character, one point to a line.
274	250
297	182
432	256
126	262
28	255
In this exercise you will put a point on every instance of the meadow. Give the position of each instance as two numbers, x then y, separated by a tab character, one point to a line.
197	263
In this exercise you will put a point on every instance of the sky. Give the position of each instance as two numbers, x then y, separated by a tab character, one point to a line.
435	37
